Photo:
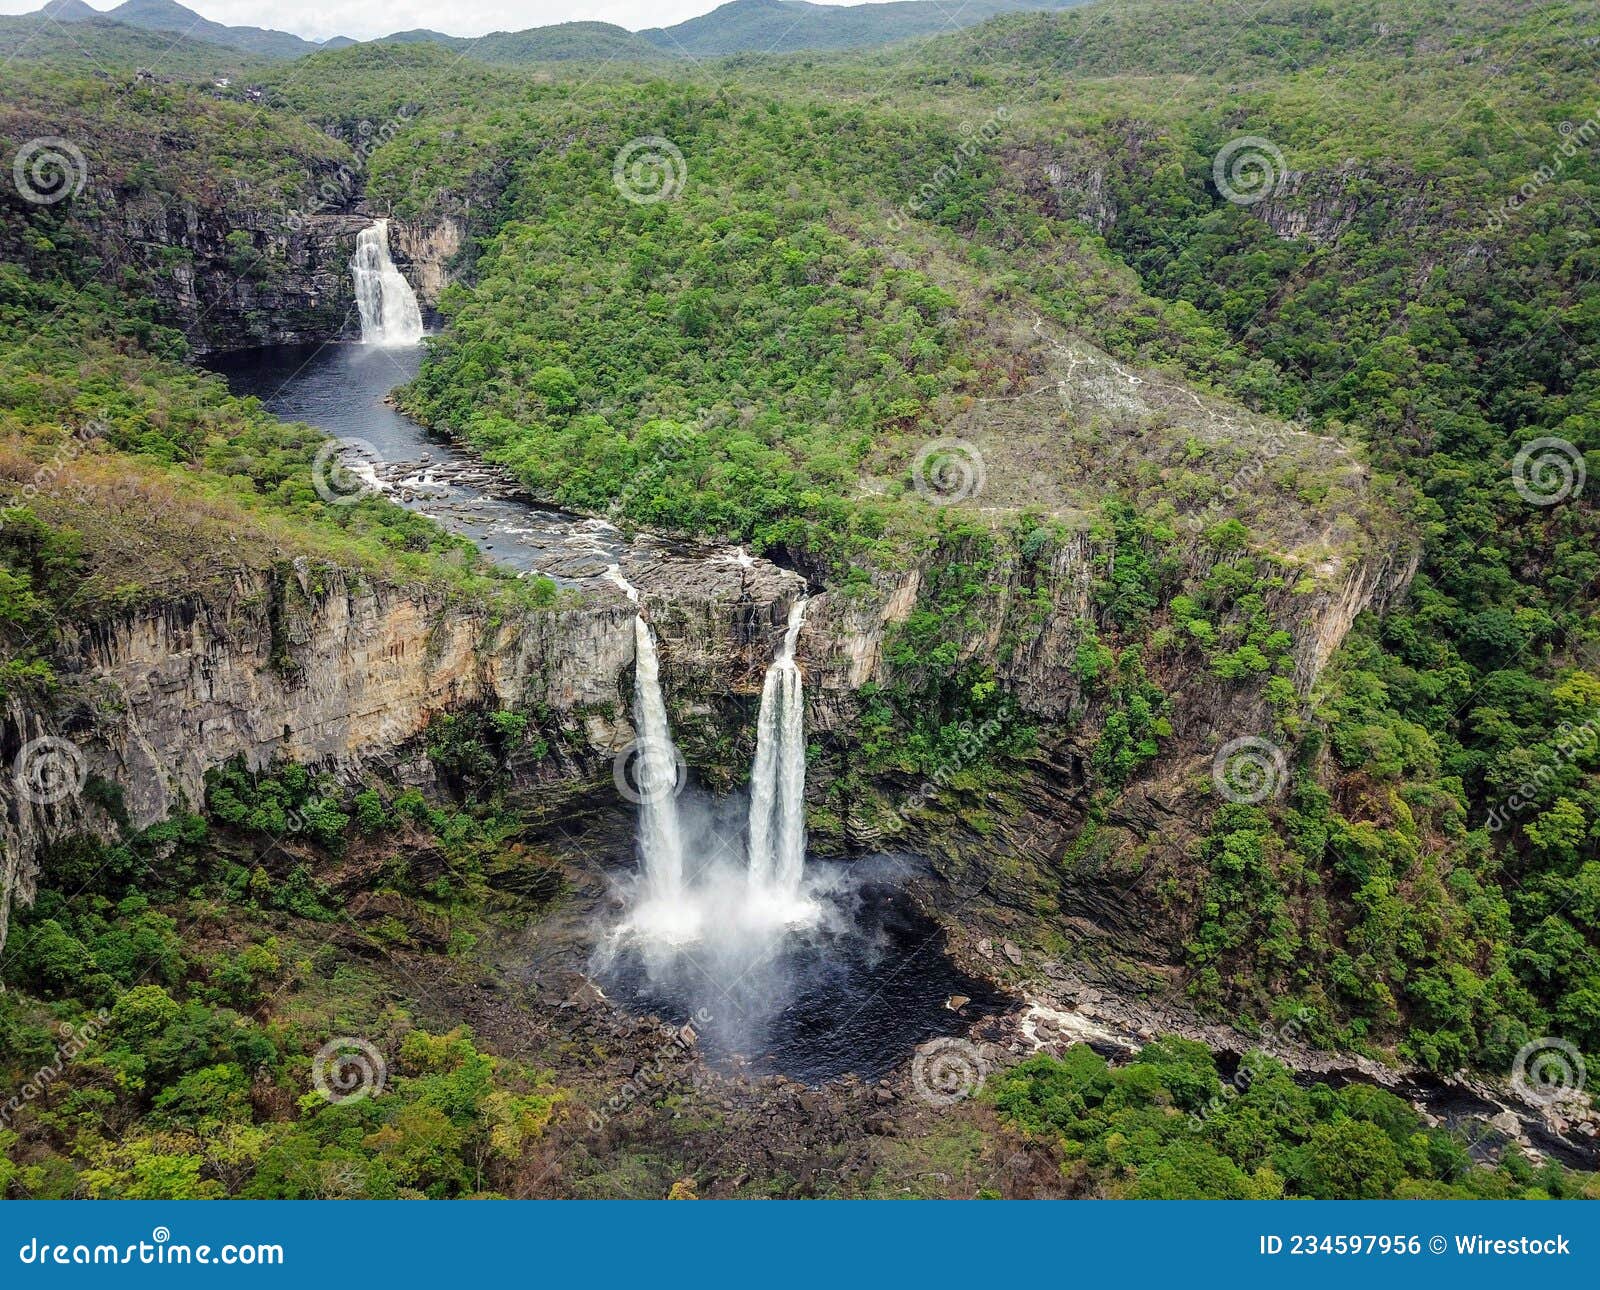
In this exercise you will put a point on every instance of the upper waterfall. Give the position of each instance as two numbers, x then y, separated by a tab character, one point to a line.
388	306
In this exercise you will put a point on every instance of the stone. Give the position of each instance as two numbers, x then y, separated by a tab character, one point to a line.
1012	952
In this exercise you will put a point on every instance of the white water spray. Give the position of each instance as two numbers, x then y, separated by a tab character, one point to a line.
388	306
777	829
657	770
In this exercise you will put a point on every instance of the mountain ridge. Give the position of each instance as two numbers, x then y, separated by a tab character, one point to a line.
738	27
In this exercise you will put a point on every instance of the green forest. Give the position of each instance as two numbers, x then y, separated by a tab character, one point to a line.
1375	367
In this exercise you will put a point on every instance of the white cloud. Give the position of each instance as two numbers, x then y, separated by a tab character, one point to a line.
364	19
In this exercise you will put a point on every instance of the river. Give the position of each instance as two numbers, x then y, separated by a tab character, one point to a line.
343	390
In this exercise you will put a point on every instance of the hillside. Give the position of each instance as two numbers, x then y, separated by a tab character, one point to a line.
101	45
1132	468
170	16
784	26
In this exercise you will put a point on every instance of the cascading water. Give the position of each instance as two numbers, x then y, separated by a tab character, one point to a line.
388	306
656	774
777	828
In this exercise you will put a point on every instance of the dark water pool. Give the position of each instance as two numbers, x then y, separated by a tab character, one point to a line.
854	994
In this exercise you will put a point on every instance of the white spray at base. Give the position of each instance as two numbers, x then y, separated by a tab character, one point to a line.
388	306
696	883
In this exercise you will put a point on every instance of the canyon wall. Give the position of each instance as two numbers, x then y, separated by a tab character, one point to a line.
329	669
335	671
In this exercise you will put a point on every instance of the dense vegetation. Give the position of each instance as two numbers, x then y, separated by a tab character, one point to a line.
1168	1126
176	1002
859	256
703	362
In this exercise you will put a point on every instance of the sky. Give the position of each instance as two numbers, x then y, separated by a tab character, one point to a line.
363	19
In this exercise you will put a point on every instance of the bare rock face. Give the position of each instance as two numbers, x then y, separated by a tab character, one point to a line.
233	278
423	252
330	670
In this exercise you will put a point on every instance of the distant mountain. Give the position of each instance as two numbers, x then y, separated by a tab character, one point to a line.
563	42
566	41
94	45
67	11
783	26
417	36
743	26
169	16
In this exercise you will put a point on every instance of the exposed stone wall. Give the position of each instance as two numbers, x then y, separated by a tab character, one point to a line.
331	670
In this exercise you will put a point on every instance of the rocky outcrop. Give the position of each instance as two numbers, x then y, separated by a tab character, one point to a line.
238	277
232	273
332	670
425	253
233	278
1068	180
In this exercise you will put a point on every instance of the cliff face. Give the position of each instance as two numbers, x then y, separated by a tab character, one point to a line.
231	273
425	252
235	278
326	669
1025	857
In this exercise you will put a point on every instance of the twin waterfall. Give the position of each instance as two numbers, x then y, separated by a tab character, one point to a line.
778	779
388	306
775	843
656	773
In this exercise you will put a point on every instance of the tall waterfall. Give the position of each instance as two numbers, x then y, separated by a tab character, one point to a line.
777	846
388	306
656	771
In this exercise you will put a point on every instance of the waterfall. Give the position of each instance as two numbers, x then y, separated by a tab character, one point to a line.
656	771
777	846
388	306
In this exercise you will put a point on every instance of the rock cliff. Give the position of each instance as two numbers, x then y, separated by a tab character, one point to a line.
328	669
